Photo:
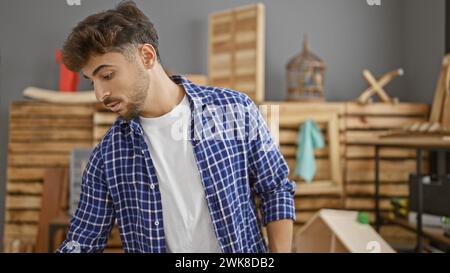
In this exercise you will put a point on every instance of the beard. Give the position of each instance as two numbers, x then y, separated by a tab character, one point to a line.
138	95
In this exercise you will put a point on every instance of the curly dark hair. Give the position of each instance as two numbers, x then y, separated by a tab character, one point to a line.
115	30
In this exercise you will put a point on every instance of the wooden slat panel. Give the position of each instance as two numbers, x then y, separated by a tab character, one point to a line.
366	203
49	146
358	151
21	230
45	135
21	216
27	173
369	176
40	160
38	109
387	109
236	50
351	136
375	122
54	122
385	165
41	135
316	203
385	189
23	202
24	188
290	151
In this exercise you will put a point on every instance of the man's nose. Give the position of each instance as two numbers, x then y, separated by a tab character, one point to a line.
100	92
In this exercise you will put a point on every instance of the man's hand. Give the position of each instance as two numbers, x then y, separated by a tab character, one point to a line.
280	236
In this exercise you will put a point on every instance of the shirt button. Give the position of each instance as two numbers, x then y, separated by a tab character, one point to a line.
152	186
156	223
143	152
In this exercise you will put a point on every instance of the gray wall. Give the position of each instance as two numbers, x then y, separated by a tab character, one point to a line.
348	34
424	46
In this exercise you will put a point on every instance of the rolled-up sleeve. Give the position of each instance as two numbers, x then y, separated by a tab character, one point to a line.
94	216
268	170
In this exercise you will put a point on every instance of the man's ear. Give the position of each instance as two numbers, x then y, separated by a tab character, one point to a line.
148	55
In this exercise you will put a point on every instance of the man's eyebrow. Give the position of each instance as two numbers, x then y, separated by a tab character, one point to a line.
100	67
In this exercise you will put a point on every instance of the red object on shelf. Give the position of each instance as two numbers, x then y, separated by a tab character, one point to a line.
68	80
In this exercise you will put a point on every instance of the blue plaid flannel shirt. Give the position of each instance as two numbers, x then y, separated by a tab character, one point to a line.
119	182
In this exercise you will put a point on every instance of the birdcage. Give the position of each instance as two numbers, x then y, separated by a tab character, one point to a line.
305	76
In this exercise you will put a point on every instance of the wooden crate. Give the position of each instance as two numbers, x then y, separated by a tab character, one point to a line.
41	135
366	122
357	161
236	50
284	120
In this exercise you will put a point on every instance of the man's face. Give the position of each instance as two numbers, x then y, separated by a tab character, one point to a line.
119	83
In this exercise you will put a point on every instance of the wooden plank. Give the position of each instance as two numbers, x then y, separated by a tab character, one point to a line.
24	188
21	230
48	146
291	137
334	150
369	190
41	109
385	164
366	203
316	203
25	173
353	136
388	109
439	94
38	160
376	122
368	176
318	187
54	122
57	97
22	216
293	108
290	151
23	202
46	135
360	151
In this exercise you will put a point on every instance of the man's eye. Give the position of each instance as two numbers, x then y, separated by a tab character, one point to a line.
108	76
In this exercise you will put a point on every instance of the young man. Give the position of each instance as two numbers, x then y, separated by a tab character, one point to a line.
179	168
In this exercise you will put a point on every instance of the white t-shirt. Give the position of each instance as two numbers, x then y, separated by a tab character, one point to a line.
187	222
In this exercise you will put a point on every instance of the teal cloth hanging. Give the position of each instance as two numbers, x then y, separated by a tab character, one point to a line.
309	138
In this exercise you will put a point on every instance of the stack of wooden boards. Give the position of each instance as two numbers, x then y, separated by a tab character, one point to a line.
41	135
